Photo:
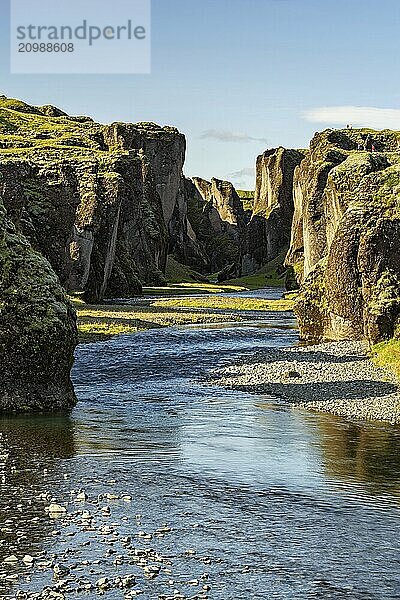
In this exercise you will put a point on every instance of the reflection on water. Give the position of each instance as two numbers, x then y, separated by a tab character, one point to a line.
366	453
283	503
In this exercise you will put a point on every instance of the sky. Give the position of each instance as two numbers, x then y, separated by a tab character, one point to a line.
240	76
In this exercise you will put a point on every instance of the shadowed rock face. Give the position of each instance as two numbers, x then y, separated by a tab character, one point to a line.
164	148
37	329
268	232
345	244
217	219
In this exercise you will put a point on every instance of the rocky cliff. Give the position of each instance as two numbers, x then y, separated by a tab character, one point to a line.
37	329
267	234
217	218
104	204
345	245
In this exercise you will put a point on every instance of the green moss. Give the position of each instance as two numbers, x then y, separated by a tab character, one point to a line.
387	195
177	273
40	131
188	289
387	354
270	275
247	198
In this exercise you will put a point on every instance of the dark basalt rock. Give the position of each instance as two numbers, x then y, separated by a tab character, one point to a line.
104	204
217	219
37	329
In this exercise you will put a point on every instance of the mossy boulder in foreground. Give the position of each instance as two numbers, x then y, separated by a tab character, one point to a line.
37	329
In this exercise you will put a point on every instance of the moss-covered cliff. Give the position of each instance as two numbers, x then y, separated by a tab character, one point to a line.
37	329
345	244
267	234
217	218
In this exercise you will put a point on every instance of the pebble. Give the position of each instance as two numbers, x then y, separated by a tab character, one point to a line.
56	509
81	497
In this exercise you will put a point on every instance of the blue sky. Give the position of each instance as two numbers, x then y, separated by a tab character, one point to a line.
238	76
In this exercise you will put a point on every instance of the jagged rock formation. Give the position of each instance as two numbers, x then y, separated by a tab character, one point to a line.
345	245
165	149
37	329
217	218
104	204
268	233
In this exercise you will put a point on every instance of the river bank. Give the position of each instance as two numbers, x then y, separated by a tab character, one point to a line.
163	307
99	322
335	377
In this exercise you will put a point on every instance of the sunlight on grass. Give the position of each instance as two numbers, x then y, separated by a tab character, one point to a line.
387	354
183	289
221	302
97	322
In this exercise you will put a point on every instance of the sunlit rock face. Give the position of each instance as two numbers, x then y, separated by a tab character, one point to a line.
104	204
267	234
345	245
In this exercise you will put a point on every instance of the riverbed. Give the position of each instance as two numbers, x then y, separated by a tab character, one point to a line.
240	496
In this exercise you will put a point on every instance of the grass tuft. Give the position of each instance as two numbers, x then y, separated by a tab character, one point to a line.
100	322
387	354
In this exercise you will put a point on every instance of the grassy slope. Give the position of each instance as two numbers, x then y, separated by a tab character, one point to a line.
247	198
267	276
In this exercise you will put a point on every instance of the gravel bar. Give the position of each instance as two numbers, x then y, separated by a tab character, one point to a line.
334	377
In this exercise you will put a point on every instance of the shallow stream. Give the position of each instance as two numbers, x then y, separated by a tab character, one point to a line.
263	500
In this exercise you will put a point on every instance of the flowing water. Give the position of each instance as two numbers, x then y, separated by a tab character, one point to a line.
263	500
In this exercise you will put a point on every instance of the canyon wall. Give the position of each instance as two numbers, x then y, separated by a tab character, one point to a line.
267	234
104	204
37	329
345	246
217	218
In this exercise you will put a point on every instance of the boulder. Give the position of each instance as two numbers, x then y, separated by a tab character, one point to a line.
37	329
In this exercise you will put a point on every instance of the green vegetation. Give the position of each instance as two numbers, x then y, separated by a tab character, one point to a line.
387	354
99	322
270	275
247	198
188	289
178	273
224	303
24	128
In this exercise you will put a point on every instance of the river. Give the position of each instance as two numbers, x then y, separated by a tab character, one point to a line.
263	500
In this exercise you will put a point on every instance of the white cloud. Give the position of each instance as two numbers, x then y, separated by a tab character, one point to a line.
362	116
246	172
221	135
243	179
